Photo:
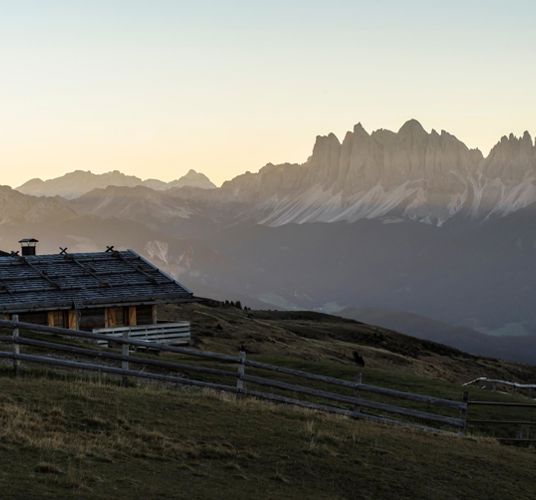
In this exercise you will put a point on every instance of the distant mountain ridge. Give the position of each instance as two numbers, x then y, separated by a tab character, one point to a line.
429	177
411	174
518	347
75	184
17	208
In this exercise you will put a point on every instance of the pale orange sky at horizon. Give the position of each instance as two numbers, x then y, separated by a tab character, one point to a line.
226	87
144	170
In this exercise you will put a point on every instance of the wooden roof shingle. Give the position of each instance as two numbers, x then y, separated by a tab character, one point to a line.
82	280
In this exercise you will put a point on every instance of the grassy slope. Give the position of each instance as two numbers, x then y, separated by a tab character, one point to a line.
324	344
313	338
61	438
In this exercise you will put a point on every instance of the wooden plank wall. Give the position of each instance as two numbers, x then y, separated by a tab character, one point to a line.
144	315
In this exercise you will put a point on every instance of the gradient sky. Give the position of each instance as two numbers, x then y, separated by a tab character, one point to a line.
156	87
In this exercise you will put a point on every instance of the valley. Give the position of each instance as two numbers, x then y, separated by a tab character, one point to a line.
407	221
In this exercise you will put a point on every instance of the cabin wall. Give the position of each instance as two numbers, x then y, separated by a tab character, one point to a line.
132	315
145	315
59	319
73	319
37	317
91	318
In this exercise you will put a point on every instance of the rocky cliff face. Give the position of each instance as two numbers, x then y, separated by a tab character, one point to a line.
411	173
508	180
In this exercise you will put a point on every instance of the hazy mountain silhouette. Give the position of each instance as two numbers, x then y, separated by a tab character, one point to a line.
16	208
75	184
509	347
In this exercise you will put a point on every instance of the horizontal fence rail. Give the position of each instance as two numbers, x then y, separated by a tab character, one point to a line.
112	369
492	381
362	387
343	398
118	340
503	403
502	417
167	333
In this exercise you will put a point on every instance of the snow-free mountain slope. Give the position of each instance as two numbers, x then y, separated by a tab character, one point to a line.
17	208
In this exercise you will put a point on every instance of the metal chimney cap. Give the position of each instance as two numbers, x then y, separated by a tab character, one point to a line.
28	246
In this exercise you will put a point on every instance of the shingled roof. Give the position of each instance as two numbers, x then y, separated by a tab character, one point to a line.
83	280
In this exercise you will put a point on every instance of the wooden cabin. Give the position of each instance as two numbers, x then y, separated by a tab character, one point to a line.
109	292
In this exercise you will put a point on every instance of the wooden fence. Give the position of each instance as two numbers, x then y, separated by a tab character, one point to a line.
493	383
504	422
239	375
163	333
501	419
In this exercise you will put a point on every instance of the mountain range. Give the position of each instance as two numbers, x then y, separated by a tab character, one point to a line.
428	177
409	221
410	174
75	184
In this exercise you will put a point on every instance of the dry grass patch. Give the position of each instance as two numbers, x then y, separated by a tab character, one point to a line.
149	442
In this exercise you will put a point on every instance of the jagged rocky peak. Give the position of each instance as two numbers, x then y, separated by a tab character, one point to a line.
412	127
527	139
360	130
326	149
428	176
388	158
512	159
411	173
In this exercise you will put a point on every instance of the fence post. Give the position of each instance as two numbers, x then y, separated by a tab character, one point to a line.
125	351
16	346
463	413
240	384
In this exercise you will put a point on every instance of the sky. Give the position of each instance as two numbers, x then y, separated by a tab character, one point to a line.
156	87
